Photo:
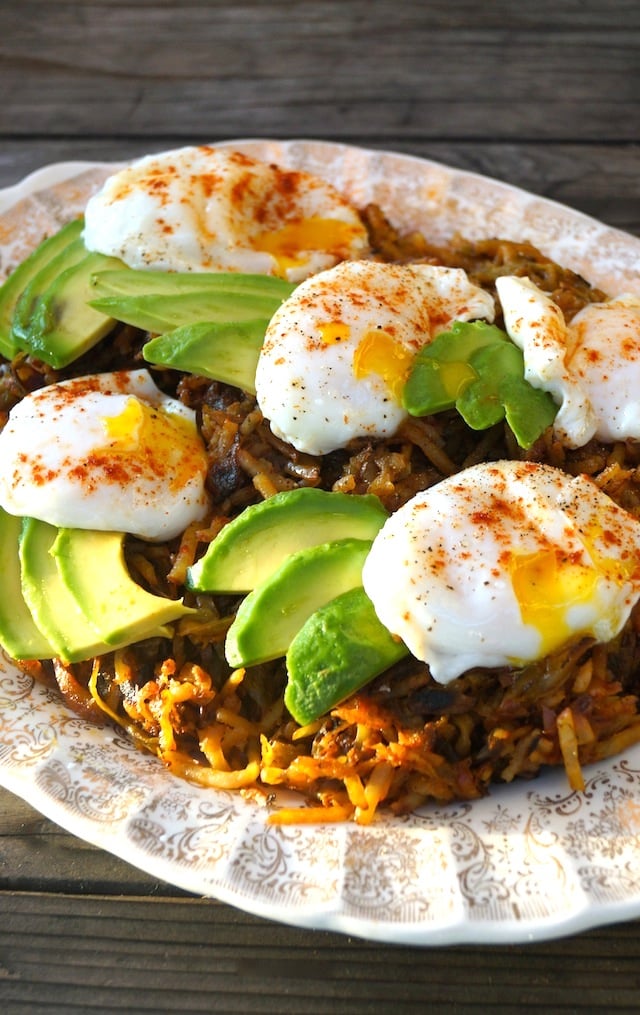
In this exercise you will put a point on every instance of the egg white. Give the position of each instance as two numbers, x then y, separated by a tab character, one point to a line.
604	357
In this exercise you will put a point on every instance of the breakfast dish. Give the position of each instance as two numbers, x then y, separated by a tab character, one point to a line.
567	649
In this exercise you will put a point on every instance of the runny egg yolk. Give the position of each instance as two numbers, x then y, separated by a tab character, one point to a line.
124	429
334	331
379	353
550	583
376	353
547	585
290	244
148	436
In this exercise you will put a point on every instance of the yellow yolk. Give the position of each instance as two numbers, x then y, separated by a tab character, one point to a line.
289	243
123	430
379	353
547	584
160	442
334	331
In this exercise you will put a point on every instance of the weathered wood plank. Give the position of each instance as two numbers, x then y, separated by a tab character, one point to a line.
410	70
97	954
38	855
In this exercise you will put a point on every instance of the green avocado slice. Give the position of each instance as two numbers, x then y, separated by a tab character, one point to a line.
478	369
340	648
269	617
161	312
260	539
226	352
27	306
53	608
62	325
22	276
136	282
92	569
20	636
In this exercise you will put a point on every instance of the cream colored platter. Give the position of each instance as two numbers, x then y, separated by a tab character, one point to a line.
532	861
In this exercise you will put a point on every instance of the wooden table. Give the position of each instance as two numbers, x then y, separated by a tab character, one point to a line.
543	95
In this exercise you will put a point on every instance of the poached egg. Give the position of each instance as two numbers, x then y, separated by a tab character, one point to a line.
107	451
201	208
337	352
503	564
591	366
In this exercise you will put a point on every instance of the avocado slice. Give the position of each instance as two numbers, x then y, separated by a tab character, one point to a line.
91	566
259	540
224	352
160	312
14	286
478	369
208	324
136	282
62	325
340	648
270	616
54	610
20	636
29	301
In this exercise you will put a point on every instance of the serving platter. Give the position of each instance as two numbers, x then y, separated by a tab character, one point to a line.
531	861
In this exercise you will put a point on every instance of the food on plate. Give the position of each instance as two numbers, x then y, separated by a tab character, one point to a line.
104	451
337	353
208	209
263	536
340	648
591	365
271	615
503	564
77	615
20	291
326	506
197	319
20	636
474	368
58	324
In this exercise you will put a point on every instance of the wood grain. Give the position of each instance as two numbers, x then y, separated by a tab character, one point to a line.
361	70
137	955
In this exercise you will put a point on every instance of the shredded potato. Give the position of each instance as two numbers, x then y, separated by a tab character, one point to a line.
403	740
